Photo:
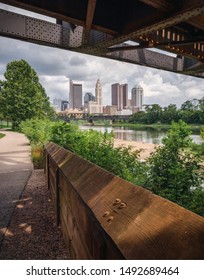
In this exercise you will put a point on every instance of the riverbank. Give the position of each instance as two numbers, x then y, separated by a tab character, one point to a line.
146	148
193	127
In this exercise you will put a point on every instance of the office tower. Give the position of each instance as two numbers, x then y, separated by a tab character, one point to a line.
124	92
87	98
137	97
60	104
75	95
115	93
119	94
64	105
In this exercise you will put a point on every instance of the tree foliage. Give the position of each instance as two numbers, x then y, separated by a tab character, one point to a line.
191	112
174	171
98	148
22	96
38	131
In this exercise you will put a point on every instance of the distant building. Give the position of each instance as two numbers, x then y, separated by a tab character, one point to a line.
64	105
110	110
129	103
119	95
137	98
96	107
124	93
60	104
113	111
87	98
75	95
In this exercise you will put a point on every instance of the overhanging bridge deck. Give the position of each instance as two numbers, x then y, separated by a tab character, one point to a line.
124	30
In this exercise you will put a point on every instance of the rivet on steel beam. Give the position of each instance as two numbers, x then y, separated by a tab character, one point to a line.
110	219
106	214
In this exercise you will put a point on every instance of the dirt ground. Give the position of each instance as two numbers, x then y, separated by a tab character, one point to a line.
147	148
32	233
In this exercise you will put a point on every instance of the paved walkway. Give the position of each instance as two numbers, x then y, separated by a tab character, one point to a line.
15	170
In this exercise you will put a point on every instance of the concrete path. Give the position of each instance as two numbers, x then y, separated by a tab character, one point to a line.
15	170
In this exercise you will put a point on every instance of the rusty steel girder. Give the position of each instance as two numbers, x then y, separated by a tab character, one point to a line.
125	30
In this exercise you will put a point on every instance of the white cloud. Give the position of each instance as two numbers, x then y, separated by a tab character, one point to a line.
56	86
56	66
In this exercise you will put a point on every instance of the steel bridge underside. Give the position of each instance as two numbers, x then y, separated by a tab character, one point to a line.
125	30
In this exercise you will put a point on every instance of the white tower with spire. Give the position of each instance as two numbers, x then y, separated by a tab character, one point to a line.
99	98
96	107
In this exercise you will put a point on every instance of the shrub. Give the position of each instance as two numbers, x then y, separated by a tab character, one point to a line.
38	131
98	148
174	171
37	154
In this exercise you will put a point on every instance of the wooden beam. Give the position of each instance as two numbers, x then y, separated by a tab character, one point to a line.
89	19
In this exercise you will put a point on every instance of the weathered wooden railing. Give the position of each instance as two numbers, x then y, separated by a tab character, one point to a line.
105	217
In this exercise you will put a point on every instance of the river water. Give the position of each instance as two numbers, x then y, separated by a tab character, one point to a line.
147	135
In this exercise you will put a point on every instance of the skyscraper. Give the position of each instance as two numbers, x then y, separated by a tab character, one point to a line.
96	107
124	93
137	97
99	98
119	94
115	93
75	95
87	98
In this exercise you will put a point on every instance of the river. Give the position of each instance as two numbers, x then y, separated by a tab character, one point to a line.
147	135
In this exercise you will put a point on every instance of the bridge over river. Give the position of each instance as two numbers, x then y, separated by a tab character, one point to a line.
92	118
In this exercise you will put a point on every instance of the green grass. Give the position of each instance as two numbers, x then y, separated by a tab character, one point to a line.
2	135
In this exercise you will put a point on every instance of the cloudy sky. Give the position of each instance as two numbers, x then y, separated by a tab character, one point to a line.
55	67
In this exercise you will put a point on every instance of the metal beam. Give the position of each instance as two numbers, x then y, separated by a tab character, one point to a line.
89	19
184	15
43	11
159	4
149	44
57	15
61	36
149	58
166	6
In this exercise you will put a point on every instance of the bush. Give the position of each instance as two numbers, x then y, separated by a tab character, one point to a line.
38	131
37	154
65	135
2	135
174	171
97	147
202	133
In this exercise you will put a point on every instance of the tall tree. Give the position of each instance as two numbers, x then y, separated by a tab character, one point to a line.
154	114
21	94
170	114
189	105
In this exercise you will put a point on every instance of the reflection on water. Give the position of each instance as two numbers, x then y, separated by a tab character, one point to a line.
148	135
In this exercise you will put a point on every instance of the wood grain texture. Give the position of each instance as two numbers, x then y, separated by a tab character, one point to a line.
109	218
